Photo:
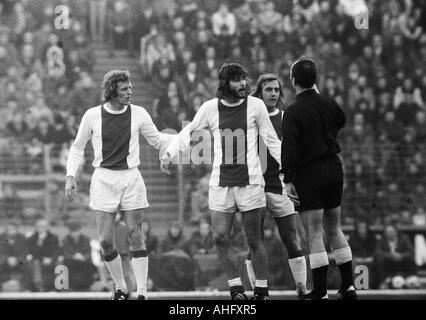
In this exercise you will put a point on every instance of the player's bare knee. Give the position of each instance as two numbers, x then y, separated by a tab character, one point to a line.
107	245
135	236
333	232
253	243
291	242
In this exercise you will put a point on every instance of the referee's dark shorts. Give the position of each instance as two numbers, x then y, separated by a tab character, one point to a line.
319	184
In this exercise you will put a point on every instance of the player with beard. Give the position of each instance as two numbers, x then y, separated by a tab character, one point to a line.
236	120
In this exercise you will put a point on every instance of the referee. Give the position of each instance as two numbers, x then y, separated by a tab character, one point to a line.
314	171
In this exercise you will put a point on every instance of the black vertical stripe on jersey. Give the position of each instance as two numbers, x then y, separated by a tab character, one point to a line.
115	139
233	118
272	174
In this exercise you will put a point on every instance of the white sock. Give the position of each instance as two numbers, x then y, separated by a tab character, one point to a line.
298	269
250	273
318	260
115	269
262	283
140	269
342	255
235	282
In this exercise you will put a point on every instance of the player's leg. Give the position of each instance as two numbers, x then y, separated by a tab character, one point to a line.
248	262
129	276
342	251
133	221
252	222
221	226
283	211
105	230
318	258
287	228
133	201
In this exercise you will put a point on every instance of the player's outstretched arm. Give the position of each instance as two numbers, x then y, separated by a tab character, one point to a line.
181	142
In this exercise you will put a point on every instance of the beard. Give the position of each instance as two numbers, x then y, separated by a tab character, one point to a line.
237	93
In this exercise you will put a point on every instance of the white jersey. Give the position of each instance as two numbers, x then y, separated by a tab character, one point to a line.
235	129
115	137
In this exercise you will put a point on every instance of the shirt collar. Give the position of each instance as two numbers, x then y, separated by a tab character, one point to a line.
305	93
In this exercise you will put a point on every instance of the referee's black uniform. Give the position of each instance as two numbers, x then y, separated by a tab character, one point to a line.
309	150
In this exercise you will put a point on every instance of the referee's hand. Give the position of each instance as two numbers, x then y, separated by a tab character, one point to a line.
292	194
71	188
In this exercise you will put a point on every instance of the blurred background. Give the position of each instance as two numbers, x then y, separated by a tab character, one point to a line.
54	53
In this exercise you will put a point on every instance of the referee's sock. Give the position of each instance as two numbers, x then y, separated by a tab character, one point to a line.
343	257
319	267
261	288
115	268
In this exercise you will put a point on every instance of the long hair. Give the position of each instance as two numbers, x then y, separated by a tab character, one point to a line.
261	83
228	72
109	84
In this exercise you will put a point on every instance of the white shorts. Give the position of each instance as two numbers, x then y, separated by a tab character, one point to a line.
279	205
112	190
233	199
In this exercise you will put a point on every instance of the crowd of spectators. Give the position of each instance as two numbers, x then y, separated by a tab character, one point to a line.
371	62
45	81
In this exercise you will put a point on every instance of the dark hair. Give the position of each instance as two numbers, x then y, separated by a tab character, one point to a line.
109	84
304	71
261	83
228	72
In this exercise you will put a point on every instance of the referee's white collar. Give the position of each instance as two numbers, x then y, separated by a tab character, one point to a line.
109	110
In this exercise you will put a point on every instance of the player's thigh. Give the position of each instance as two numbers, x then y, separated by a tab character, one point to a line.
221	222
134	196
105	225
133	218
104	192
222	199
312	221
279	205
249	197
253	223
332	219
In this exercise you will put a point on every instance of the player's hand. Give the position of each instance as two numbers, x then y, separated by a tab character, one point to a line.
71	188
292	194
165	167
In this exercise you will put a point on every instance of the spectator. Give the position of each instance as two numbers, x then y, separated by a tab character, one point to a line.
394	254
223	21
43	253
13	251
77	257
173	268
151	240
201	241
